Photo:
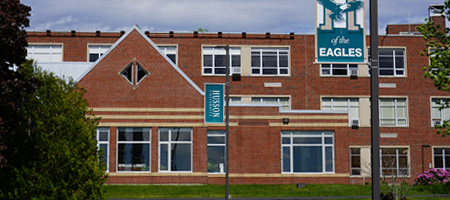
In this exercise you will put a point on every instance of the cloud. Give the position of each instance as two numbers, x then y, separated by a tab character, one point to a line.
281	16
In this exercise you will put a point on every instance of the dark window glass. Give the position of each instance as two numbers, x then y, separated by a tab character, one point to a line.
141	73
172	57
207	60
93	57
128	73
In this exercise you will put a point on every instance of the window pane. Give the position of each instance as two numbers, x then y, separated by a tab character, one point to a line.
134	157
235	60
127	72
286	159
307	159
134	134
328	159
93	57
103	135
216	160
207	60
216	139
104	149
163	159
141	72
181	157
181	134
256	61
220	60
307	140
172	57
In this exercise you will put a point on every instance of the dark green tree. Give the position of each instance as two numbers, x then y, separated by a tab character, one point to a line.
438	50
51	152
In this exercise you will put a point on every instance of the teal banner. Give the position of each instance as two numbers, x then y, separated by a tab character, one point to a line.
214	103
340	33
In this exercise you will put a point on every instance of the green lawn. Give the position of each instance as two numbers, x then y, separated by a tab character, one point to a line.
205	191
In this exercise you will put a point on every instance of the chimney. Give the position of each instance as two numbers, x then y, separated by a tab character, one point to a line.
436	13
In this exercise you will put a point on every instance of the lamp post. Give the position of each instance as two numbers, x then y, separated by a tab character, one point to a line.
374	92
227	119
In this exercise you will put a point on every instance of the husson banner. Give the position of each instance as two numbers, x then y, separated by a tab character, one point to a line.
340	31
214	103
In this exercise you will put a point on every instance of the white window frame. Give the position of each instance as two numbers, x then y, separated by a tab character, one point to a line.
169	156
355	168
213	51
441	109
397	164
55	52
169	50
394	58
278	101
277	50
218	145
396	113
445	151
99	129
333	67
149	142
349	106
97	49
291	145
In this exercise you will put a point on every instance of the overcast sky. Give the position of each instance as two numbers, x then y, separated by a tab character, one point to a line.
252	16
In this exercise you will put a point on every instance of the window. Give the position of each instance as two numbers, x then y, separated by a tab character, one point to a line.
393	112
170	51
214	60
133	152
216	151
127	73
439	111
96	51
355	161
45	53
307	151
392	62
393	162
337	69
235	100
270	61
284	101
103	144
441	158
348	104
175	149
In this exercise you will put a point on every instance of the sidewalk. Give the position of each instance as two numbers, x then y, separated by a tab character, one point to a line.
285	198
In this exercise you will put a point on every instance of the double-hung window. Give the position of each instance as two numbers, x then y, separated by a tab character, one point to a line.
133	152
393	162
439	111
214	60
355	161
283	101
338	69
96	51
441	157
103	145
393	112
175	149
170	51
392	62
216	151
45	53
307	151
346	104
270	61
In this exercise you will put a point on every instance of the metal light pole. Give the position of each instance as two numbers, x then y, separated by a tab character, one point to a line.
227	117
374	93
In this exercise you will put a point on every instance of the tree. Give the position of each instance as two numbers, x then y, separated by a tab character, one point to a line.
438	50
51	153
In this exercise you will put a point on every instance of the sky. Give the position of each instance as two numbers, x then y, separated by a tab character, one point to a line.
235	16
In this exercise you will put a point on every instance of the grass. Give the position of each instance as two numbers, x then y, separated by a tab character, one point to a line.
210	191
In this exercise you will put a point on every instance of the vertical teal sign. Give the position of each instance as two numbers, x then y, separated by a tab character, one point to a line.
340	31
214	103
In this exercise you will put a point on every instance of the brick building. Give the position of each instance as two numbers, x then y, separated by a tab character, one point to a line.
291	120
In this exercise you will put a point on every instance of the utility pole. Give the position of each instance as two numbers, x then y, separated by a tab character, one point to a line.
374	93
